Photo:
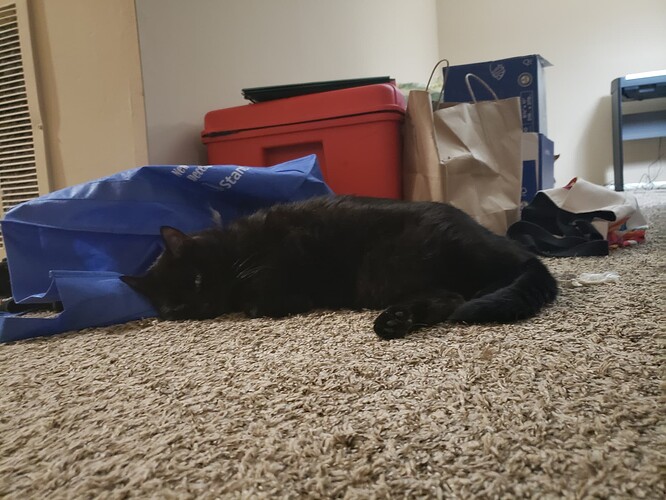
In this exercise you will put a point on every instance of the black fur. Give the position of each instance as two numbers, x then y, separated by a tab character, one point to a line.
423	263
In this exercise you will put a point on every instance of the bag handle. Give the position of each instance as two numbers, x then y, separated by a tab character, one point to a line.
482	82
432	73
467	82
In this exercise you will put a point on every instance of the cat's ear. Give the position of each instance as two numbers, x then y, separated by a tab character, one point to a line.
174	240
133	281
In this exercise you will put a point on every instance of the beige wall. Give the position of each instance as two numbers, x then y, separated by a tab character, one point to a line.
590	42
90	87
197	55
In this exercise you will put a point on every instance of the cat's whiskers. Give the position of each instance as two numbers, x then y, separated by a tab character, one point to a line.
238	264
248	273
245	270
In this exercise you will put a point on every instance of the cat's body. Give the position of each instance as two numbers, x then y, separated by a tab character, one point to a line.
423	263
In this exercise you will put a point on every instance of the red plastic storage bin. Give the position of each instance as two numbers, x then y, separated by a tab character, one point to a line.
354	132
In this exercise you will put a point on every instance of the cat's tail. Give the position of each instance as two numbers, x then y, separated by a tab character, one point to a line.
523	298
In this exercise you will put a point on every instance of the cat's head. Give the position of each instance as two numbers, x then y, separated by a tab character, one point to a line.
180	284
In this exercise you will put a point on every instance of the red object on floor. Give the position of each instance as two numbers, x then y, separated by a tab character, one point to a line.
355	133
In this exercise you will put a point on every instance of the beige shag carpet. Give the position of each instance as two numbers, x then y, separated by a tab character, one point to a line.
569	404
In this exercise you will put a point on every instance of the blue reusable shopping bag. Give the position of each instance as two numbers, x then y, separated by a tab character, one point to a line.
71	245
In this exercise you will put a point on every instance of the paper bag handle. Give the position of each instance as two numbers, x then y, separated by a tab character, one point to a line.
432	73
482	82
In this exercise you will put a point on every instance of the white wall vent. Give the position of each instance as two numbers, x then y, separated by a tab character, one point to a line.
23	169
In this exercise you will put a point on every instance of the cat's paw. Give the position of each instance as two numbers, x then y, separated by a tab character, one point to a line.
394	323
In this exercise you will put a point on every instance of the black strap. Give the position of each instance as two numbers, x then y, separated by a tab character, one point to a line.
544	212
541	242
548	230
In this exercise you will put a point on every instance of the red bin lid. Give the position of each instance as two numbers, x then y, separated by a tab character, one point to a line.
306	108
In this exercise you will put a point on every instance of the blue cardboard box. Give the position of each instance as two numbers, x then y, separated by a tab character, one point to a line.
514	77
538	165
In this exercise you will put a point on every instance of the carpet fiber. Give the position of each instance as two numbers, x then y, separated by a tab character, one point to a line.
567	404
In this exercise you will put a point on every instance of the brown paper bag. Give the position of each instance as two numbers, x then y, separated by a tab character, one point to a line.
466	154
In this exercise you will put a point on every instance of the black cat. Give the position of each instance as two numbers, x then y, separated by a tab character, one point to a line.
423	263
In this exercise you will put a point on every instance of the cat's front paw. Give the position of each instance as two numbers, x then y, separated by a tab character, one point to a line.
394	323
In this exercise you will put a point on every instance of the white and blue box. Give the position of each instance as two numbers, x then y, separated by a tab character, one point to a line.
538	165
514	77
